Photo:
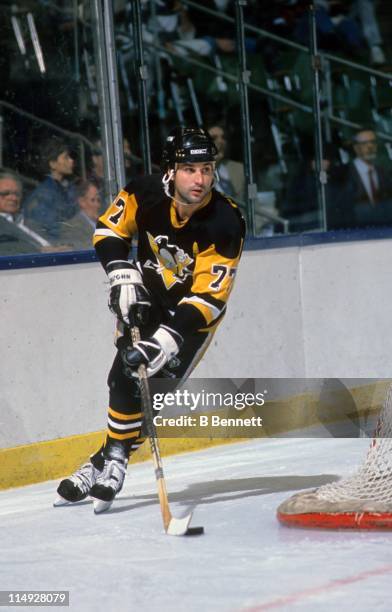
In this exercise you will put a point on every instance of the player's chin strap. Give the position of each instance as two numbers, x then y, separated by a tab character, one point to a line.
169	176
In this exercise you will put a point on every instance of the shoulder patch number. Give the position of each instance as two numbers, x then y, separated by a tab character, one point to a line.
221	271
115	218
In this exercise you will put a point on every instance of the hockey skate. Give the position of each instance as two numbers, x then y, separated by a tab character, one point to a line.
108	483
77	487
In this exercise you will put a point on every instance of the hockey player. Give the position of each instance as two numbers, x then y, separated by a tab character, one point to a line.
190	239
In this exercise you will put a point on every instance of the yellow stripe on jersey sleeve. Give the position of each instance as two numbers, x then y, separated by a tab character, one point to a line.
97	239
214	274
208	311
120	217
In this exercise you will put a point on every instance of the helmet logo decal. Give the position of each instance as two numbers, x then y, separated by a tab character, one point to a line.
187	145
172	262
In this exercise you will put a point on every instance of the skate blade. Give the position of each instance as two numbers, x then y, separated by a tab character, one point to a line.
101	506
60	501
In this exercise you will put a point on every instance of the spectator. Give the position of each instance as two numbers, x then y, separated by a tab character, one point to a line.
365	11
278	17
363	195
300	202
15	235
206	34
53	200
96	174
131	162
78	231
231	173
336	30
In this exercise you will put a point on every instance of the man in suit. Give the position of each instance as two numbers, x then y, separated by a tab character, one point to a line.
363	188
231	173
16	237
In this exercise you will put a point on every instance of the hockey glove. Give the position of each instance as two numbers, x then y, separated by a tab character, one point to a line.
153	352
127	292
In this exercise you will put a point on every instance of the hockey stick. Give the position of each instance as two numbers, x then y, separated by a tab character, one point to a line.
172	525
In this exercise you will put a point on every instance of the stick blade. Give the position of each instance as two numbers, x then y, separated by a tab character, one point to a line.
179	526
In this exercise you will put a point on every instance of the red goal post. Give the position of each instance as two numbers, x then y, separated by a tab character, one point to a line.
361	501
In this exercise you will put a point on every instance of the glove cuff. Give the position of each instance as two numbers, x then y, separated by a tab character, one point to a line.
121	272
169	340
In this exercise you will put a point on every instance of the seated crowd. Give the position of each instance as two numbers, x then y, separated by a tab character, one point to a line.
60	213
358	194
343	26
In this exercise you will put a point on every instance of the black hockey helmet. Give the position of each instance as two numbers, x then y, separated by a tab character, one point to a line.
187	145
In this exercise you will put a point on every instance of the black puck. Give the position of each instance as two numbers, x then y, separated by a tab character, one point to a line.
194	531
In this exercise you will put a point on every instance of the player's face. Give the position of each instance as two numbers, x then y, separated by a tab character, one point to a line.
192	182
10	196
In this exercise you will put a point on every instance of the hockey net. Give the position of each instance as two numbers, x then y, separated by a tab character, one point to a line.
361	501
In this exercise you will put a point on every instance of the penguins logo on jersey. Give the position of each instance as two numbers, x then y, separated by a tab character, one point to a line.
172	262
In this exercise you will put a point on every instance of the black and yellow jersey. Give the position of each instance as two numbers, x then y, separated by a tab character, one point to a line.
188	266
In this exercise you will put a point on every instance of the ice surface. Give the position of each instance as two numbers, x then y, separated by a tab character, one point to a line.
246	561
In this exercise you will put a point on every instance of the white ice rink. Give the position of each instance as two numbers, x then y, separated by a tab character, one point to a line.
245	562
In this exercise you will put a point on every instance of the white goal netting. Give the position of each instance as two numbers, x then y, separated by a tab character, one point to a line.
366	493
